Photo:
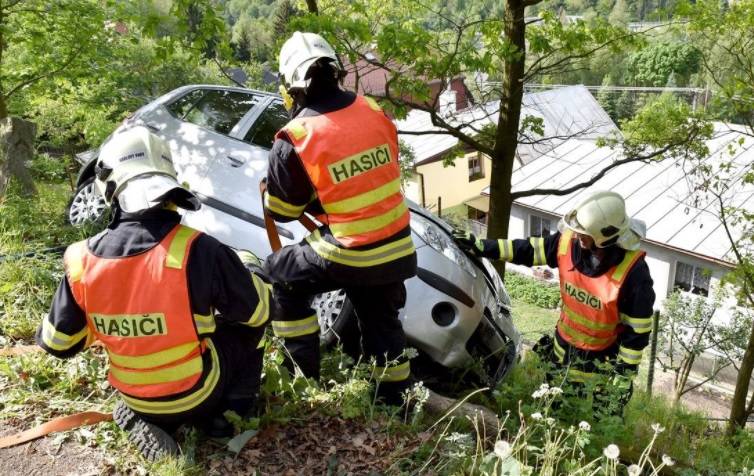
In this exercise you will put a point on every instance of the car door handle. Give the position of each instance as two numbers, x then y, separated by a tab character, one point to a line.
234	162
152	126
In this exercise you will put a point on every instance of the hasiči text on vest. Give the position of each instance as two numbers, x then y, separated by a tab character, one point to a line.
130	325
360	163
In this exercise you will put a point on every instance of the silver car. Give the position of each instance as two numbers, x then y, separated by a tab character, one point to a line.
457	313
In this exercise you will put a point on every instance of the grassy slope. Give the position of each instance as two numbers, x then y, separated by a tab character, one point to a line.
36	387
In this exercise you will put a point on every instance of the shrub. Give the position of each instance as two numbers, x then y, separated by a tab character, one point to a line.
532	291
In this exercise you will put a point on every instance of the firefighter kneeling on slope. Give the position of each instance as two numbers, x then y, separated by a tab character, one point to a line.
338	159
606	292
148	288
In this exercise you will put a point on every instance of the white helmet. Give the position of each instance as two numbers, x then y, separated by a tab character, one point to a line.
298	53
602	216
135	168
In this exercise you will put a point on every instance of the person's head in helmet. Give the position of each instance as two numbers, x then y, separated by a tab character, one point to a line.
308	67
600	222
134	173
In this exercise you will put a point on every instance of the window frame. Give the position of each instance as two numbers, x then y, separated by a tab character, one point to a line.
695	268
241	127
553	224
481	174
253	121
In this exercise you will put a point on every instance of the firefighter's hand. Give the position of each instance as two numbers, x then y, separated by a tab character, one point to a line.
468	242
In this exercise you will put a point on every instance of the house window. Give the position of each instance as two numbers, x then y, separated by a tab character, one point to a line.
692	279
476	167
540	226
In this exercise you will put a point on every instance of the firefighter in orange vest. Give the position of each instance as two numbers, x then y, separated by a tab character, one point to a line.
179	314
605	287
338	159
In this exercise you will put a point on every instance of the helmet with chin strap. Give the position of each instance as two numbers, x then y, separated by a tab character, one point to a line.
602	216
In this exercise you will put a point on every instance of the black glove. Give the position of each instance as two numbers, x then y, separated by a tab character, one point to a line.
468	242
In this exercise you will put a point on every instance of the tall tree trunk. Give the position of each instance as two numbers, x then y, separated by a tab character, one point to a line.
509	117
16	149
738	413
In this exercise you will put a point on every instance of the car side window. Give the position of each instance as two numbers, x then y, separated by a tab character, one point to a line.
215	109
272	119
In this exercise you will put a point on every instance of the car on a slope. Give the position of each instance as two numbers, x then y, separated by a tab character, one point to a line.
457	313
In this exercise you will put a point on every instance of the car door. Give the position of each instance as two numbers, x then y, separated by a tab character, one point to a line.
198	127
233	187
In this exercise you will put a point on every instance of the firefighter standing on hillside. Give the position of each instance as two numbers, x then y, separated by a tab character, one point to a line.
338	159
605	287
147	288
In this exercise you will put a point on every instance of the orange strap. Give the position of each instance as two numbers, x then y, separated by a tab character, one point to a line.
65	423
269	223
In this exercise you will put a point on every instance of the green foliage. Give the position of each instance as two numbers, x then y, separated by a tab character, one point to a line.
532	291
48	168
658	61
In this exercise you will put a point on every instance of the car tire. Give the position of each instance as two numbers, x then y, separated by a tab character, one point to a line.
86	205
338	322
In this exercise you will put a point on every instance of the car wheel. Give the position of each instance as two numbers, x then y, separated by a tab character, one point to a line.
86	205
338	322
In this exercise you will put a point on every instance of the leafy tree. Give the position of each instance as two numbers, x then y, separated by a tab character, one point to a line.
654	64
394	36
724	35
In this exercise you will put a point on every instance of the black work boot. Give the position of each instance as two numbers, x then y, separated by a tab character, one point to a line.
153	442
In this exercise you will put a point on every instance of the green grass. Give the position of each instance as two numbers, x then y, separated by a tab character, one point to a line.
36	387
533	321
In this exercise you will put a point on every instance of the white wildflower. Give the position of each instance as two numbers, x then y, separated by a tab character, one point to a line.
502	449
550	421
556	391
611	452
657	428
585	426
538	394
667	460
536	416
634	470
544	386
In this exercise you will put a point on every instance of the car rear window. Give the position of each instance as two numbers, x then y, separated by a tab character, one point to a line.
214	109
262	132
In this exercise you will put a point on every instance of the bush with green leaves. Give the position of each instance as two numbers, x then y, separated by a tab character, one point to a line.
532	291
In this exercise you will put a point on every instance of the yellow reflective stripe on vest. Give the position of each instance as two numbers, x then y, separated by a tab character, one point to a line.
365	199
367	225
178	247
586	322
60	341
539	251
640	325
281	207
360	258
394	373
630	356
204	324
559	351
620	270
182	404
74	261
302	327
579	336
506	249
156	359
296	130
574	375
262	311
565	240
173	373
372	103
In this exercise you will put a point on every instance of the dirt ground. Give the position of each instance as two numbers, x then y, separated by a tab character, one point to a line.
49	457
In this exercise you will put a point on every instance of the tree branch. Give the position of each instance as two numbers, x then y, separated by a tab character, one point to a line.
47	74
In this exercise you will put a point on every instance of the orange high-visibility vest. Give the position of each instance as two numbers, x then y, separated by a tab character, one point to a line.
589	316
138	307
351	157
